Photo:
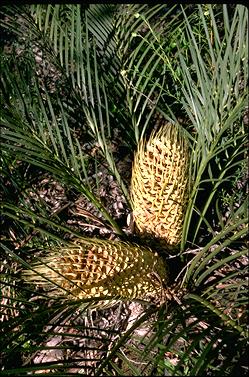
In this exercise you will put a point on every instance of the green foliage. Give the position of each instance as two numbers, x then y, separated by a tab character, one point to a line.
76	80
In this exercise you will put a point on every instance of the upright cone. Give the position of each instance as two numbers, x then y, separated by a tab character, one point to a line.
100	268
160	185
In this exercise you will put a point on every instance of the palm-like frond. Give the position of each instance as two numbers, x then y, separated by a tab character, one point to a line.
45	140
215	111
94	104
143	72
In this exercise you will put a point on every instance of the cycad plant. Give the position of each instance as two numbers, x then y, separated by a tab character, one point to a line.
82	90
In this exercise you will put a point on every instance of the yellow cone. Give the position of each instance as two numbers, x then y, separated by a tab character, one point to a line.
160	185
100	268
